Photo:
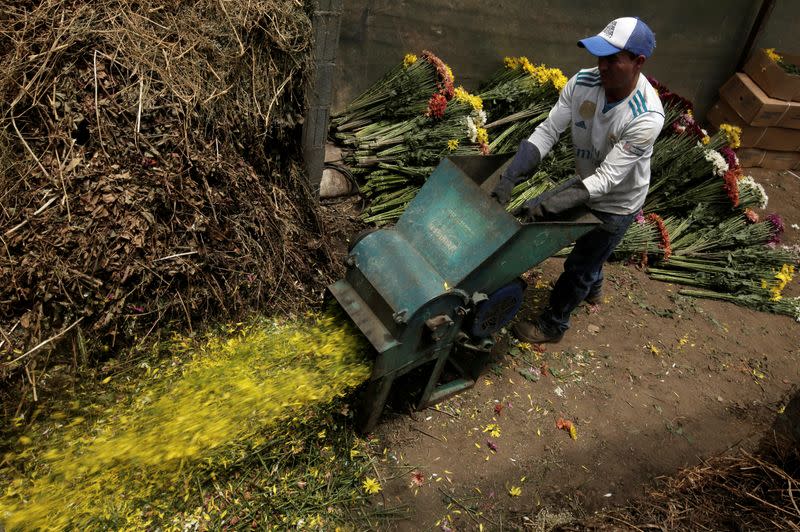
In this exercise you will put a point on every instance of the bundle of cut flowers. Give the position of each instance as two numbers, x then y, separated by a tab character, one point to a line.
400	155
685	155
424	140
789	68
518	97
409	89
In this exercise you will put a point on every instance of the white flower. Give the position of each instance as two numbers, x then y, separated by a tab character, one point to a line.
755	188
717	161
795	226
476	119
472	129
794	305
478	116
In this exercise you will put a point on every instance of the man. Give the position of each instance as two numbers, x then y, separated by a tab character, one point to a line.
615	117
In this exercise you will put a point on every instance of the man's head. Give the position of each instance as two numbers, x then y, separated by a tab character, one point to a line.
621	50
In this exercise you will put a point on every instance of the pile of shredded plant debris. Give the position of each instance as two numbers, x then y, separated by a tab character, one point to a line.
740	490
151	175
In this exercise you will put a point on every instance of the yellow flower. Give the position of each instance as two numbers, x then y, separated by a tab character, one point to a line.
511	63
371	486
557	78
733	135
450	72
774	56
409	60
705	140
515	491
461	95
483	136
452	144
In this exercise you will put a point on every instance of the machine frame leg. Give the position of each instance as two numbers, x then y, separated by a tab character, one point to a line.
434	378
373	401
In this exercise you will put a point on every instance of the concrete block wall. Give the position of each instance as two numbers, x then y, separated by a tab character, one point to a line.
698	43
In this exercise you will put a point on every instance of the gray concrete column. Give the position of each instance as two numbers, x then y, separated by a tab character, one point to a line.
327	21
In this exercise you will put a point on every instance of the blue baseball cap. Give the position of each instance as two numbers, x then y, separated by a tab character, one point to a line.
626	33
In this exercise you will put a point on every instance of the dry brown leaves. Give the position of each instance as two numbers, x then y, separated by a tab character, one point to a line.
149	168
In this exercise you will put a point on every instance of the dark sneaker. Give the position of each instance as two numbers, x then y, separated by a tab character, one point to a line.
531	333
595	297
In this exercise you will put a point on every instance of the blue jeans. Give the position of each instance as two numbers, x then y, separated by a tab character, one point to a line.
583	271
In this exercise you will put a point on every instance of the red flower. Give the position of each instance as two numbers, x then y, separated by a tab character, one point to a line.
731	185
751	215
444	84
437	106
662	228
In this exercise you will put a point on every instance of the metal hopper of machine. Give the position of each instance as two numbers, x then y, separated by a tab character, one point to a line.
435	287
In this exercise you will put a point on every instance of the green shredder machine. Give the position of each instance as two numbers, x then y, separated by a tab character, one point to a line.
429	292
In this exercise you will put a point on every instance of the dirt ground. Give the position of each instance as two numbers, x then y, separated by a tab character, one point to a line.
652	381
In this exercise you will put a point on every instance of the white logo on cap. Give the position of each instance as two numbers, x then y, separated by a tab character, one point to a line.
609	30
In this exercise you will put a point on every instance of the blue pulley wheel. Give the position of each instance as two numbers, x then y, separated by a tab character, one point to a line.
498	309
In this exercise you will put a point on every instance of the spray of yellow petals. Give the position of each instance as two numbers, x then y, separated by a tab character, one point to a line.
212	410
409	60
733	134
452	144
461	95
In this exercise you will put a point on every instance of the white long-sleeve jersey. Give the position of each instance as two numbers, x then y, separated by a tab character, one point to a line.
612	147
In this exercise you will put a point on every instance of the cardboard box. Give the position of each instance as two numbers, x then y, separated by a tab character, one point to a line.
774	160
767	138
772	79
755	107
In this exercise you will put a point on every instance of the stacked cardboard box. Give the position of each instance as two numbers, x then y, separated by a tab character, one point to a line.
764	101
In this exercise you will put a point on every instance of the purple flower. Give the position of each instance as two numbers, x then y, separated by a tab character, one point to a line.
640	217
730	157
778	227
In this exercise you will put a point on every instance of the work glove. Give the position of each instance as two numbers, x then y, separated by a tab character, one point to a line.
523	163
572	194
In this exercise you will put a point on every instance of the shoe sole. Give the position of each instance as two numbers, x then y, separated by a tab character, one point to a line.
547	340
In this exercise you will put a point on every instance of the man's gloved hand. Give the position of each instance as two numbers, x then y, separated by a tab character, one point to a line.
569	198
502	191
524	162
